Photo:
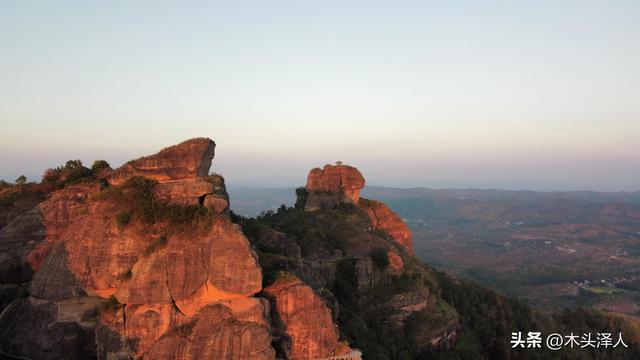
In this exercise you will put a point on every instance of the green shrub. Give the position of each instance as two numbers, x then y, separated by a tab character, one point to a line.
380	258
136	195
285	276
5	185
71	173
301	197
21	180
184	330
8	199
110	304
99	165
123	218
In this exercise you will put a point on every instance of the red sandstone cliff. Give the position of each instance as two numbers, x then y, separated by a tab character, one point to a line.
187	160
335	184
332	185
385	219
184	293
305	320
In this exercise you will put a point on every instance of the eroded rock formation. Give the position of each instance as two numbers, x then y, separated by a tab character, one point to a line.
124	289
150	265
187	160
333	185
304	319
336	184
385	219
182	173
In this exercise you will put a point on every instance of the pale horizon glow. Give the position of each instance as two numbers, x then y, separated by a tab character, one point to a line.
539	95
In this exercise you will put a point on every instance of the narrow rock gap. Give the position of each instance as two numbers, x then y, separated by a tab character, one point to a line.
124	318
173	301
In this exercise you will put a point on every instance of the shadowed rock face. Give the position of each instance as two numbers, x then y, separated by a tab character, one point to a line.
385	219
17	239
304	318
332	185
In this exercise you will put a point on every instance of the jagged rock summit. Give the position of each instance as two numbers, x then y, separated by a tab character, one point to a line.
182	173
338	184
187	160
333	185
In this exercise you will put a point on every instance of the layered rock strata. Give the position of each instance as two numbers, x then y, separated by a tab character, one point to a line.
111	290
332	185
304	320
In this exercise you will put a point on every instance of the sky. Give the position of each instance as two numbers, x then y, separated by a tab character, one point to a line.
540	95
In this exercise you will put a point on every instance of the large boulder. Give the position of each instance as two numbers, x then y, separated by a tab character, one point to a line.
216	332
384	219
114	290
303	318
182	175
187	160
332	185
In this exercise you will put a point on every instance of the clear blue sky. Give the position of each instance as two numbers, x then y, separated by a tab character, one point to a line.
505	94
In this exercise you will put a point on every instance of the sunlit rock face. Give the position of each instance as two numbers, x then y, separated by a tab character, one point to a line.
385	219
332	185
102	289
216	332
187	160
208	191
182	173
304	318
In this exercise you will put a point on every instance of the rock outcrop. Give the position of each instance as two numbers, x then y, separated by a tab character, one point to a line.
337	184
18	239
147	289
332	185
187	160
182	173
304	319
149	265
385	219
216	332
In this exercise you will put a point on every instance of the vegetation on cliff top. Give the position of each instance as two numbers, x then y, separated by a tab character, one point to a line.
135	197
342	239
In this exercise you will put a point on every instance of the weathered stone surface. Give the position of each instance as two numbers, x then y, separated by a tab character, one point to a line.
17	239
98	251
182	173
332	185
396	265
32	328
195	270
54	280
61	209
189	159
402	305
209	192
214	333
278	243
304	318
24	202
385	219
321	200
